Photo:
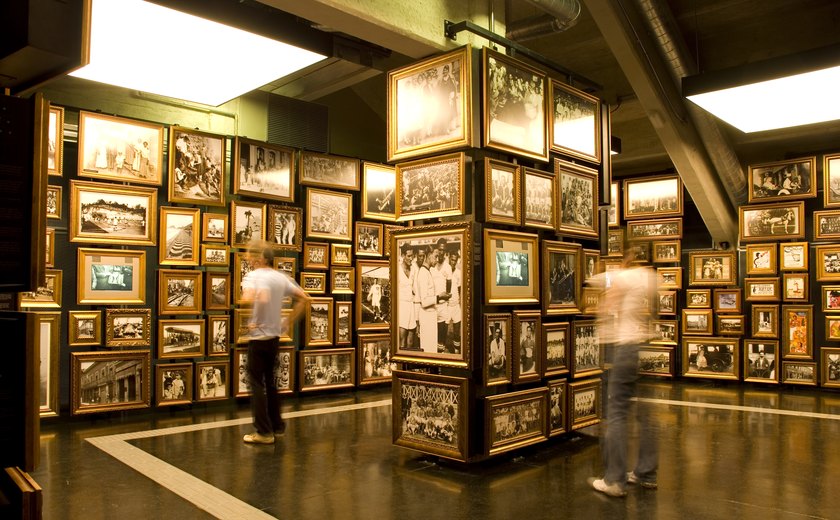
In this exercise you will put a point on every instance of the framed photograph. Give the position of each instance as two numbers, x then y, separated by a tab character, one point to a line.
379	188
418	338
514	106
539	193
527	350
698	298
793	256
218	335
109	381
497	356
765	321
329	171
217	295
319	322
799	373
111	276
343	323
561	277
112	214
514	420
173	384
614	205
368	239
827	225
375	364
641	253
575	124
730	324
795	287
578	207
512	266
586	357
830	298
502	192
284	227
247	222
797	331
285	371
329	214
84	328
179	236
120	149
196	167
54	201
828	262
390	229
727	301
584	403
212	380
431	188
762	289
49	246
658	229
240	326
656	361
315	255
615	243
591	264
653	197
783	180
342	280
830	363
556	338
781	221
313	283
697	322
128	328
666	252
327	368
669	277
557	407
761	259
214	227
832	328
761	361
664	332
716	358
666	303
48	338
831	180
47	296
55	141
215	255
179	291
263	170
373	285
341	254
590	300
286	265
181	338
712	268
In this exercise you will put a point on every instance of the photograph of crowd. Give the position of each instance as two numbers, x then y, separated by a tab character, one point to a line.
576	127
212	380
327	369
283	228
539	199
180	292
577	203
375	292
652	196
376	358
120	149
502	191
379	192
113	215
283	371
784	180
587	349
264	170
431	187
329	214
315	255
517	420
368	239
181	337
128	328
313	282
331	171
430	414
668	229
197	167
498	338
799	372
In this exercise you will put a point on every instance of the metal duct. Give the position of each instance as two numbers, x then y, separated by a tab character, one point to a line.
562	15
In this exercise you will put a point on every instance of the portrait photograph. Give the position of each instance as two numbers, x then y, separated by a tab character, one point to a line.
715	358
527	349
368	239
793	256
53	204
502	202
179	291
797	331
830	363
375	292
128	327
556	407
214	227
84	328
329	214
109	381
218	335
591	264
343	323
196	167
263	170
181	338
110	276
319	322
658	229
379	192
375	364
112	214
173	384
120	149
561	277
783	180
329	171
647	197
328	368
55	141
515	420
578	207
575	124
430	188
211	380
497	354
539	190
179	236
48	330
511	263
761	361
584	404
656	361
283	228
765	320
217	295
831	180
48	295
247	222
772	221
712	268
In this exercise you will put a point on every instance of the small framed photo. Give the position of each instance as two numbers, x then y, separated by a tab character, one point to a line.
797	331
111	276
697	322
557	407
247	222
561	277
128	327
54	202
762	289
828	263
795	287
713	268
313	283
765	321
669	277
575	122
326	368
112	214
641	253
761	259
84	328
832	328
615	202
503	193
48	339
590	300
584	403
49	247
591	264
780	221
379	188
793	256
761	361
497	330
664	332
727	301
653	197
284	225
109	381
577	213
319	322
698	298
218	335
512	262
830	363
657	229
557	340
586	357
178	236
179	291
799	373
368	239
373	285
431	187
716	358
214	227
215	255
375	364
666	252
526	360
329	214
827	225
173	384
120	149
329	171
181	338
196	167
656	361
783	180
212	380
341	254
615	243
55	141
286	265
830	298
666	303
343	323
831	180
315	255
217	294
730	324
514	420
47	296
343	280
263	170
539	190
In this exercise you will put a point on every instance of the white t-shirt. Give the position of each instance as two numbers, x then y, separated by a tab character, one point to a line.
267	316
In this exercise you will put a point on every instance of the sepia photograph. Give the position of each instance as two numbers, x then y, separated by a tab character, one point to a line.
375	293
502	192
784	180
826	225
656	361
263	170
586	357
211	380
319	322
556	407
173	384
342	280
120	149
217	296
432	187
343	323
511	262
578	206
247	222
765	320
196	167
330	368
658	229
664	332
84	328
575	124
341	254
179	291
515	420
716	358
180	338
109	381
218	335
316	255
760	361
539	196
379	192
772	221
556	337
799	373
712	268
831	180
313	283
179	236
216	256
48	332
128	327
329	171
55	141
112	214
368	239
561	277
53	204
48	295
497	334
647	197
283	227
111	276
527	348
830	363
329	214
584	403
214	227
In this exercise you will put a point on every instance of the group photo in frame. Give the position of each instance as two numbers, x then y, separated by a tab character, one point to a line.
765	320
539	190
196	167
285	371
587	355
179	242
283	227
584	404
128	328
831	180
698	298
716	358
656	229
577	212
431	187
55	141
511	264
656	361
84	328
112	214
329	171
729	324
515	420
664	332
120	149
761	361
53	203
109	381
368	239
575	124
799	373
780	221
48	339
327	368
263	170
502	190
498	344
783	180
666	252
379	192
173	384
319	322
329	214
830	363
343	280
111	276
316	255
527	347
827	225
712	268
375	366
313	283
653	197
247	222
561	277
373	308
669	277
181	338
341	254
47	296
179	291
215	255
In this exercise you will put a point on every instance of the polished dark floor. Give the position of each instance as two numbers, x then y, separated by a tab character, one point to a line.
727	451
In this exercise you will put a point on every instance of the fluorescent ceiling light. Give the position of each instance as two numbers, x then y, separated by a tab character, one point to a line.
143	46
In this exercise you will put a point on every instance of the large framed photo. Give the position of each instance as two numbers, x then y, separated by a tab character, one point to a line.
712	268
831	180
375	364
761	259
214	227
112	214
793	256
179	291
561	277
578	208
119	149
584	403
780	221
557	407
329	214
181	338
650	197
497	356
47	296
515	420
797	331
283	229
439	251
196	167
527	349
430	105
431	188
431	414
656	361
379	192
657	229
765	321
514	106
827	225
109	381
512	267
173	384
179	229
539	193
830	363
107	276
502	192
212	380
373	309
329	171
128	327
263	170
247	221
218	335
327	368
53	205
828	262
217	294
761	361
586	357
84	328
575	124
55	141
784	180
48	334
319	322
716	358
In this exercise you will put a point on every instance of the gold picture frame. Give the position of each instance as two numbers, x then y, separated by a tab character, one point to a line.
653	197
656	229
828	262
575	124
831	180
431	188
54	201
511	261
783	180
375	366
711	358
727	301
329	215
263	170
698	298
344	324
93	381
179	291
55	141
197	167
765	320
179	236
48	339
373	305
697	322
497	339
761	361
799	373
84	328
217	291
247	222
379	191
128	328
577	210
110	276
316	255
712	268
368	239
49	248
729	324
539	193
214	227
793	256
666	252
47	296
342	280
329	171
341	362
212	380
830	367
319	322
584	404
112	214
181	338
173	384
502	192
215	255
827	224
341	254
515	420
795	287
218	335
561	277
283	227
797	324
761	259
780	221
762	289
313	283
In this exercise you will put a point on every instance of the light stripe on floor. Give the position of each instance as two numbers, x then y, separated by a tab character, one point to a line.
737	408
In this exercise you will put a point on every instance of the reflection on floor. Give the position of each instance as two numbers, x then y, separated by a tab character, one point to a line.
727	451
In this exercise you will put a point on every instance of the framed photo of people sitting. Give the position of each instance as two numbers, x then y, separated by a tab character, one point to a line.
577	214
761	361
502	200
783	180
431	187
497	355
515	420
781	221
584	403
561	277
511	265
712	268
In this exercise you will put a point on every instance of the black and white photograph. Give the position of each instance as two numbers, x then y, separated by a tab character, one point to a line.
128	327
586	350
285	265
313	283
340	254
263	170
283	229
556	407
375	363
664	332
831	180
315	255
502	192
430	414
429	188
48	326
776	221
514	106
105	213
179	291
561	293
512	269
329	214
218	338
319	316
765	321
712	268
55	141
578	207
710	358
515	418
655	361
218	291
661	229
828	262
180	338
497	336
343	322
576	122
727	300
215	227
379	192
53	204
368	239
85	328
584	403
826	225
120	149
659	196
214	255
666	302
342	280
179	236
112	277
329	171
196	167
697	321
247	222
799	373
110	380
793	179
830	357
527	352
730	325
327	369
174	384
374	289
211	380
539	198
556	348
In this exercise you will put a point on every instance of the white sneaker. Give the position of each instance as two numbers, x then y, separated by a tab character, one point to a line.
613	490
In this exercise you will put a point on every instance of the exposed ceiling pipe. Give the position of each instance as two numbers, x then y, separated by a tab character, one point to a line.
562	15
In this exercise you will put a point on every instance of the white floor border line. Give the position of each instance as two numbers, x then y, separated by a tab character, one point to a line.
753	409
